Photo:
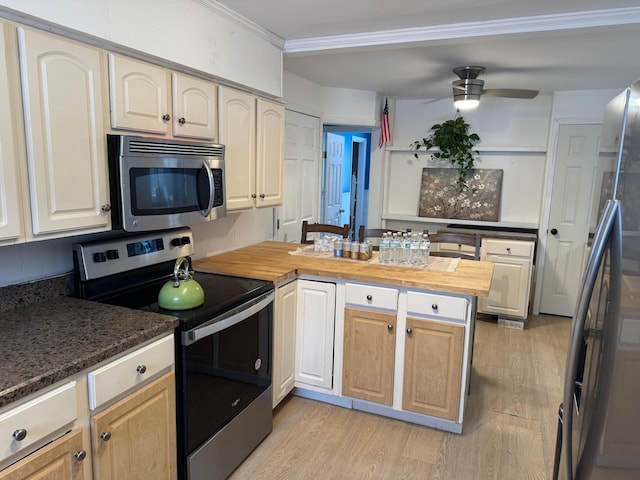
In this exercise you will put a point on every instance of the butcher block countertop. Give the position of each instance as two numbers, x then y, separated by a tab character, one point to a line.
272	261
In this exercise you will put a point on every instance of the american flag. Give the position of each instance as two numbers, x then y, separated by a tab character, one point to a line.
385	131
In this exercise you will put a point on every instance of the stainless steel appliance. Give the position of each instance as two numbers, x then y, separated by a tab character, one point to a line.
158	184
599	429
223	347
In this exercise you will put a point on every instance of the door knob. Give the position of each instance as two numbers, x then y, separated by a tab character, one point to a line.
554	231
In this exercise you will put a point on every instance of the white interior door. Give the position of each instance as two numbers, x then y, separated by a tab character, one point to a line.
569	217
333	179
301	185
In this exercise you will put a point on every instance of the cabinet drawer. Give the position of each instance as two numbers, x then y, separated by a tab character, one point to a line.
456	247
507	247
436	306
124	373
370	296
39	417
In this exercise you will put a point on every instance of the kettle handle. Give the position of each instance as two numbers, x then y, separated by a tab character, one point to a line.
176	270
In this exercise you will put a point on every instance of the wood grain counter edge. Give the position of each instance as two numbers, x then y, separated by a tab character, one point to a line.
271	261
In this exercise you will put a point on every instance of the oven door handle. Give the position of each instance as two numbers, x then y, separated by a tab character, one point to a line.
207	169
226	320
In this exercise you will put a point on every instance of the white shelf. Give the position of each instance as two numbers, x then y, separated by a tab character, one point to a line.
487	149
479	224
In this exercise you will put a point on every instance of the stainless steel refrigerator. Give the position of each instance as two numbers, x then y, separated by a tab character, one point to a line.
599	432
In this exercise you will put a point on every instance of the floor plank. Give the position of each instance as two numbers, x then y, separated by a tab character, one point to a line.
509	429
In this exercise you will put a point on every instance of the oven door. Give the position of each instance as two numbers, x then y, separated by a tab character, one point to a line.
225	366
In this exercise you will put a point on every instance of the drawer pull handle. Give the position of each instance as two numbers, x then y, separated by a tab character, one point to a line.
20	434
182	121
80	455
106	436
141	369
390	327
509	249
409	331
166	117
434	306
369	297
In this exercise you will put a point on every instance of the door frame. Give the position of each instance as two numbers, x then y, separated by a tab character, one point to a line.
546	199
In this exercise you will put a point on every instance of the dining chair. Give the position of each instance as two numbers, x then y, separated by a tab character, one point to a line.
322	228
376	233
452	239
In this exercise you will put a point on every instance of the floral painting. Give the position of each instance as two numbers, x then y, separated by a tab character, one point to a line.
441	197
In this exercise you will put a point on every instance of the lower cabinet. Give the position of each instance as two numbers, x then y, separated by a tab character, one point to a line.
433	368
368	357
60	460
315	320
136	437
284	341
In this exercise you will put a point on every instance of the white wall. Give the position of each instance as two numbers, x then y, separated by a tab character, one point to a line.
183	31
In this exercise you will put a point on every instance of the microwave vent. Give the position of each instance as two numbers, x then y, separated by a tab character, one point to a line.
144	147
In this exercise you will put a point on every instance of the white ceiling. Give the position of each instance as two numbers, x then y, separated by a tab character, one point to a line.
407	48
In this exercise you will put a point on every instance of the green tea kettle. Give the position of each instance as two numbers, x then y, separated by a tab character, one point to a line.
182	292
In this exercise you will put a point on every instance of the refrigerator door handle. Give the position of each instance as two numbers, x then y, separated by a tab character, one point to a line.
595	258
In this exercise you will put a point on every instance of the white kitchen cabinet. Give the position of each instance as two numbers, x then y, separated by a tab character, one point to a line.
511	281
252	131
284	341
315	333
62	94
11	223
148	98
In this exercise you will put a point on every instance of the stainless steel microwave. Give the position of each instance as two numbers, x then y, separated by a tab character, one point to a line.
157	184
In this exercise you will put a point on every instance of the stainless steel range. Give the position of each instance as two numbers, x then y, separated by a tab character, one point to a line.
223	347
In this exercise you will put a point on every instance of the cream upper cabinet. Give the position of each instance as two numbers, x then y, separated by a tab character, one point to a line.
11	226
62	94
252	131
148	98
284	341
511	282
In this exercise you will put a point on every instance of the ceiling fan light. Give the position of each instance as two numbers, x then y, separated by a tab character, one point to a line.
466	93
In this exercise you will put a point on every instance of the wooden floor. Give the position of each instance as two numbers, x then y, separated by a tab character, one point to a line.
509	427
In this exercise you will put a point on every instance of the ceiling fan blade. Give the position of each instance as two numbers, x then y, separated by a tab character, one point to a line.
510	92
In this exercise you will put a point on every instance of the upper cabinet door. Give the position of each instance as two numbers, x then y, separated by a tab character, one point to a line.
238	135
270	153
194	107
139	95
64	129
10	214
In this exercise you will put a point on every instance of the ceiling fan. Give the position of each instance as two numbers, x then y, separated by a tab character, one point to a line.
468	90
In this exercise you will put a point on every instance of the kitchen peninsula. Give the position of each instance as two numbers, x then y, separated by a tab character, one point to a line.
387	339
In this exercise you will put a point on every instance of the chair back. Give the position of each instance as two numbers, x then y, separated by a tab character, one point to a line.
374	233
459	239
322	228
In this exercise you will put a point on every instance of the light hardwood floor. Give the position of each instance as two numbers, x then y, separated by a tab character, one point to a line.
509	427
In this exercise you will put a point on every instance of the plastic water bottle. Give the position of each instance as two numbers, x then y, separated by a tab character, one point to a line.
394	247
384	249
414	257
425	246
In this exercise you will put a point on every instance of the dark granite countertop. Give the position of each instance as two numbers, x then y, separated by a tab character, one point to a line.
48	340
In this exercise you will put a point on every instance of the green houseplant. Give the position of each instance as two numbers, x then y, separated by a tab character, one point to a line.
454	143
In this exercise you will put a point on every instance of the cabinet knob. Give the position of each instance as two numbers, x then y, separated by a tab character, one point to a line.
390	327
409	331
434	306
509	249
105	208
262	195
141	369
106	436
369	297
20	434
166	117
80	455
253	195
182	121
554	231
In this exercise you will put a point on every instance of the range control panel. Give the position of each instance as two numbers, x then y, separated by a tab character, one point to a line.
116	255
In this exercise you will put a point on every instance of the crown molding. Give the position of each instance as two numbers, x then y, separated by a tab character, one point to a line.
232	15
538	23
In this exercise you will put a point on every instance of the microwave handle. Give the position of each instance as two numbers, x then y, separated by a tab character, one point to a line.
206	212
